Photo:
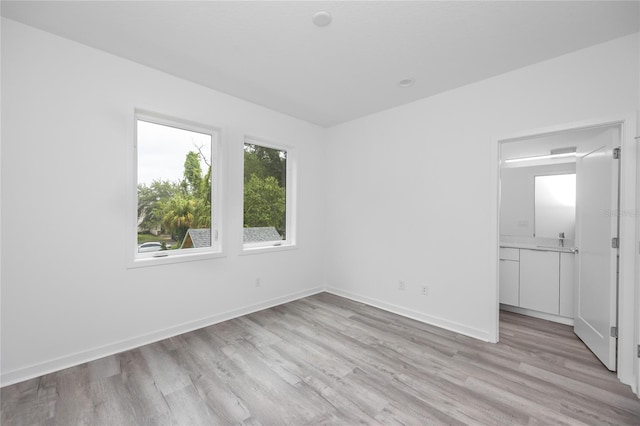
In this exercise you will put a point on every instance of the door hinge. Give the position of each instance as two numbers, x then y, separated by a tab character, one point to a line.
615	242
638	351
616	153
614	332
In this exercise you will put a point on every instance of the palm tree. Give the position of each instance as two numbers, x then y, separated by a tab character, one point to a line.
181	212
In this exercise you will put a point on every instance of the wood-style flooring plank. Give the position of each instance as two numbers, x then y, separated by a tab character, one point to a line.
333	361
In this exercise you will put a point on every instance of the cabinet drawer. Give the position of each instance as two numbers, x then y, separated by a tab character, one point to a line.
509	254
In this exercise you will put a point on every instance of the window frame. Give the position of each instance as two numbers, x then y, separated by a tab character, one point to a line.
290	203
216	250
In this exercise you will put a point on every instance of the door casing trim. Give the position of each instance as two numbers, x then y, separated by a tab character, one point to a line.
628	300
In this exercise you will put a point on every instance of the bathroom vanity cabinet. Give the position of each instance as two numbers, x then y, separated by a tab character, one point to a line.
538	280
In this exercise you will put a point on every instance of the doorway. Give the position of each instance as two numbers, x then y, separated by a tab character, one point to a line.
559	255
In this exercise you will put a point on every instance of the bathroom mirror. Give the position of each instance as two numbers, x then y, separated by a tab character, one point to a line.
555	205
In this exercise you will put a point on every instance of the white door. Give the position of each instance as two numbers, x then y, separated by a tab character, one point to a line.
596	225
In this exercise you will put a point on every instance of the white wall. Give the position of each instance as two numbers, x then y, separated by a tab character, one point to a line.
636	343
407	194
414	188
67	115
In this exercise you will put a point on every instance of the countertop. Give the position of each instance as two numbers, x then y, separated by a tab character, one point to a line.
533	243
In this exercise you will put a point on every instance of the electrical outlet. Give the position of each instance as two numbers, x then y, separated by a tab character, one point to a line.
258	282
401	285
425	290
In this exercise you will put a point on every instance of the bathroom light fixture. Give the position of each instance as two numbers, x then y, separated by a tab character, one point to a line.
554	154
322	18
407	82
567	150
540	157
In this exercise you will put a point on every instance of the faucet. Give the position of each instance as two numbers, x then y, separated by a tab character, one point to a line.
561	239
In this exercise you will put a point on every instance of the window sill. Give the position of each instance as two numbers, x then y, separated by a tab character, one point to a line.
267	249
178	258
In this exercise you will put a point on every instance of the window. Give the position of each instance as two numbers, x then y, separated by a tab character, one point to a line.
268	184
177	211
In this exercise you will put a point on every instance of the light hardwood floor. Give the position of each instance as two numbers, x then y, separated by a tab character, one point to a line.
329	360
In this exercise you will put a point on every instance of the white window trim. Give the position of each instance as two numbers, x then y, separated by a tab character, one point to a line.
218	136
291	201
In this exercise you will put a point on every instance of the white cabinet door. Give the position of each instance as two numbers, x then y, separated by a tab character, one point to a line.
509	282
567	274
540	281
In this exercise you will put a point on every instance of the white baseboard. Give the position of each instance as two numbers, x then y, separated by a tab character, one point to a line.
32	371
410	313
536	314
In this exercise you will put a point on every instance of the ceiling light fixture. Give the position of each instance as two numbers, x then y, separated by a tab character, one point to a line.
322	18
554	154
407	82
540	157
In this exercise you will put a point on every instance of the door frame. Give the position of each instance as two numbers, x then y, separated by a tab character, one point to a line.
628	295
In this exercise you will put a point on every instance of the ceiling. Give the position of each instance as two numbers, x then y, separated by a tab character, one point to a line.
271	53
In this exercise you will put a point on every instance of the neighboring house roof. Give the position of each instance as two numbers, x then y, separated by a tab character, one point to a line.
196	238
260	234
